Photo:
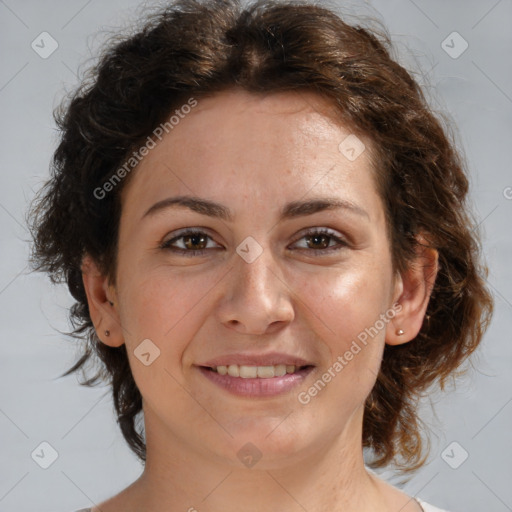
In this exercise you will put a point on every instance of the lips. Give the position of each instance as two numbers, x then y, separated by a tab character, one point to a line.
250	387
257	375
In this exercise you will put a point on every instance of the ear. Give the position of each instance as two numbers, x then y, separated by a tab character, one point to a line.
412	292
103	304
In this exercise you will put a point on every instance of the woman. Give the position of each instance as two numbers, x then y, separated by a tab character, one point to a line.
265	231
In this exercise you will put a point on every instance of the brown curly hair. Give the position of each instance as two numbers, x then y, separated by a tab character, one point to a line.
197	48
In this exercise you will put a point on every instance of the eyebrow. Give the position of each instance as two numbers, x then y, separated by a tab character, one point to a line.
290	210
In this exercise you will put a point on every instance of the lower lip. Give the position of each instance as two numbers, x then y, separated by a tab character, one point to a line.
257	387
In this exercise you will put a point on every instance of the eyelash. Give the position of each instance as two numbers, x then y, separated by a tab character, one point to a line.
190	253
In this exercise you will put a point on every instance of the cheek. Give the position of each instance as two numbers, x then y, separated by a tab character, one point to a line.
159	318
350	318
346	302
154	302
165	307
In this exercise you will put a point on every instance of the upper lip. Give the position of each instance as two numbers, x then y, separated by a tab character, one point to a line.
270	359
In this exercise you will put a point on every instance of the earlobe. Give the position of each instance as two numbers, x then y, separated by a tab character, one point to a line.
415	287
102	304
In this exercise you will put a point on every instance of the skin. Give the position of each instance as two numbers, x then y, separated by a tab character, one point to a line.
254	153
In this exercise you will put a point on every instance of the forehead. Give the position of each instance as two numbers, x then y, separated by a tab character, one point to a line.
258	146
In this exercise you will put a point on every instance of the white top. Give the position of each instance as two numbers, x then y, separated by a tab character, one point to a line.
429	508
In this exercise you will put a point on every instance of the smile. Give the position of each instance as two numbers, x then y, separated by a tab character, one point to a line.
256	381
256	372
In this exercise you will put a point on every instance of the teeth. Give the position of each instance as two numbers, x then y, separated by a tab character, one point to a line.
248	372
253	372
233	370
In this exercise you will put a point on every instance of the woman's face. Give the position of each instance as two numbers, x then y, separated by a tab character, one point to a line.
264	290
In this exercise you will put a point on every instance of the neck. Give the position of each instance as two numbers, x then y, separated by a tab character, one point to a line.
332	476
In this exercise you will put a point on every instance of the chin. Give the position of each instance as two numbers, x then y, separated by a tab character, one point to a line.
264	445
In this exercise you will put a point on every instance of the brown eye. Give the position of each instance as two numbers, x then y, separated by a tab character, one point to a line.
194	243
319	241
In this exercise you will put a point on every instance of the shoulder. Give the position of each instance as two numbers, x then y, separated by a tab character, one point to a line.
429	508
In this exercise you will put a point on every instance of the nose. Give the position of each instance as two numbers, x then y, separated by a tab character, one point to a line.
256	298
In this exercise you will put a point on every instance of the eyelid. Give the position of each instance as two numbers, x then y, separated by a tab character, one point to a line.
340	239
321	230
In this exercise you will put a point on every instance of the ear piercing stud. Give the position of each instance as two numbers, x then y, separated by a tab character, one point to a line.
107	333
399	332
111	303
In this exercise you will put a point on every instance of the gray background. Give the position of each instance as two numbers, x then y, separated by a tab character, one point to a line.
93	461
